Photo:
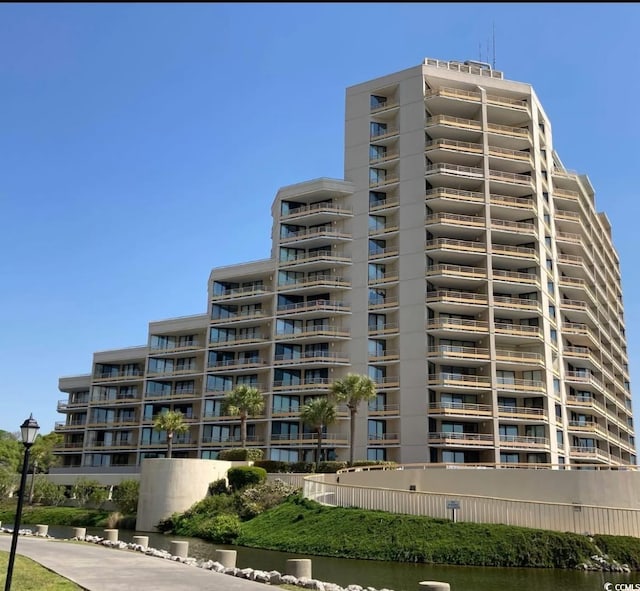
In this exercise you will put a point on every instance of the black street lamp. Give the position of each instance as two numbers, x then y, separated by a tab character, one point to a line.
29	430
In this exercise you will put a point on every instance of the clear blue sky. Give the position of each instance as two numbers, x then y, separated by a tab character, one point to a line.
142	144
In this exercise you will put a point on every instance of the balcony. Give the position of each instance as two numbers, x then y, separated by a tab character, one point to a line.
448	352
453	145
517	441
387	383
515	227
237	364
241	292
175	371
518	385
383	303
467	221
382	279
447	298
384	410
114	376
306	384
323	281
512	202
388	328
519	330
521	412
66	405
583	402
173	395
454	93
517	155
383	204
240	317
588	453
461	439
569	238
517	303
384	356
518	252
454	194
383	253
464	272
510	131
459	409
310	234
390	131
384	181
313	209
323	331
320	257
452	245
310	358
453	122
443	380
566	194
383	438
71	426
384	106
177	348
315	306
457	325
515	277
306	438
230	440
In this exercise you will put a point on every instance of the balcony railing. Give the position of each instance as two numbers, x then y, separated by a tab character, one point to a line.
457	270
460	408
458	352
384	133
454	122
452	218
524	441
315	305
524	356
515	276
520	132
317	280
457	245
118	375
520	412
518	303
519	384
510	226
454	379
458	324
238	292
504	328
457	297
316	208
457	194
461	438
327	232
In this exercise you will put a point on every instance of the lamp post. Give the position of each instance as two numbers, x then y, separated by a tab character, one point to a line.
29	431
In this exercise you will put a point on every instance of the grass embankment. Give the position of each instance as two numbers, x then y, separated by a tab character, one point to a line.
56	516
303	526
30	576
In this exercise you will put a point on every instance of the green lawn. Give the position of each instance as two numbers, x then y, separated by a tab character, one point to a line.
30	576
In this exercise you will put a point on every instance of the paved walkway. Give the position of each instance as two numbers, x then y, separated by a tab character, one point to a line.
98	568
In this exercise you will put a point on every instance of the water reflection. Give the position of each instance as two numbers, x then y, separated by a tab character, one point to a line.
392	575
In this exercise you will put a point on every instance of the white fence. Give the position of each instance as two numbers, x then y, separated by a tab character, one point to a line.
582	519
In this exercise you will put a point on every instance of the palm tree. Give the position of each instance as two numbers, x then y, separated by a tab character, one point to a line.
172	422
243	401
353	389
318	413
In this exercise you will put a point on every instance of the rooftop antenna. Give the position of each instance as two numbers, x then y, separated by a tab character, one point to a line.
494	44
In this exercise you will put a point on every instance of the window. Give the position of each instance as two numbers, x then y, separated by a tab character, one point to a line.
547	241
158	388
534	430
377	152
185	387
377	223
550	287
290	254
553	334
377	321
289	277
508	432
547	219
505	377
288	326
377	347
552	311
248	380
377	374
377	198
376	430
550	264
219	383
377	129
378	101
377	175
290	230
560	438
376	454
285	403
285	431
284	455
376	246
212	408
509	458
287	377
221	335
378	403
452	457
376	296
376	271
288	351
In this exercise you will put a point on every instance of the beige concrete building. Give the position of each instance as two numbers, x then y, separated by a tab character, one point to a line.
460	265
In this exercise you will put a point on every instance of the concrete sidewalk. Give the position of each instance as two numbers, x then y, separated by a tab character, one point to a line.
97	568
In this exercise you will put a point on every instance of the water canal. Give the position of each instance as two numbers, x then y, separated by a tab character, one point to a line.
391	575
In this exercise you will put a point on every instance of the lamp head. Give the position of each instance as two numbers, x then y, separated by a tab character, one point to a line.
29	430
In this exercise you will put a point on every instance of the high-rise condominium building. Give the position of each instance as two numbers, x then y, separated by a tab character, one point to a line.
460	265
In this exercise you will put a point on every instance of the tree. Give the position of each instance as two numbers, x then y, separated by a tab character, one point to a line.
319	413
353	389
42	456
243	401
126	495
11	451
172	422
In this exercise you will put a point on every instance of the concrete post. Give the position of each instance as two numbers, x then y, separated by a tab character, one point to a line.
79	532
434	586
226	558
42	530
141	541
179	549
111	535
299	567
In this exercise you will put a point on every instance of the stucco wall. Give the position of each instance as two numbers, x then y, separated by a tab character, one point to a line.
606	488
172	485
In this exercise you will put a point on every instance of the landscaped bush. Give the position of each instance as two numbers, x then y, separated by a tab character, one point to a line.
273	466
625	549
244	476
302	467
255	500
73	516
89	491
385	463
241	454
125	496
218	487
48	493
330	467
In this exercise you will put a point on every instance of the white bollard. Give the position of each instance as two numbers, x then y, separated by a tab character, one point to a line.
79	532
227	558
141	541
111	535
42	530
299	567
179	549
434	586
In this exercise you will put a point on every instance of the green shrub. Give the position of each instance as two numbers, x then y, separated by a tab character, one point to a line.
223	529
241	454
302	467
364	463
624	549
255	500
244	476
218	487
330	467
273	466
47	493
125	496
73	516
85	490
8	481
